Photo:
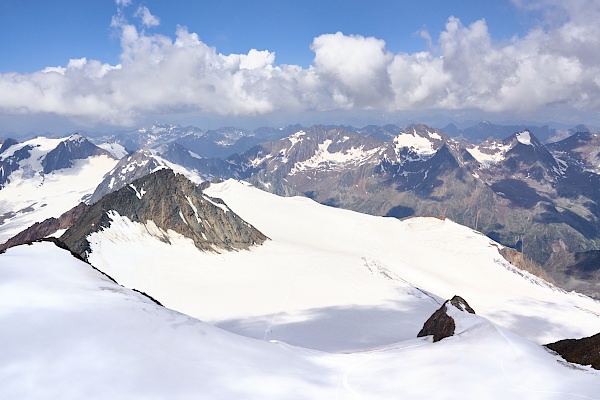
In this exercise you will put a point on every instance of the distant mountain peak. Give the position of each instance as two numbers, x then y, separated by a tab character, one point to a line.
75	147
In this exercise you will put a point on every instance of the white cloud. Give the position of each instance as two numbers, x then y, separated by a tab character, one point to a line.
353	69
556	63
147	18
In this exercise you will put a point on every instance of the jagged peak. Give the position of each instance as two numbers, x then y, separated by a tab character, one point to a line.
76	137
167	201
524	137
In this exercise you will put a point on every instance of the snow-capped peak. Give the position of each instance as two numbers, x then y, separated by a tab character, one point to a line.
76	137
524	138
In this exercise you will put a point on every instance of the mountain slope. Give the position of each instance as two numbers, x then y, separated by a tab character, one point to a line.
325	269
516	190
69	332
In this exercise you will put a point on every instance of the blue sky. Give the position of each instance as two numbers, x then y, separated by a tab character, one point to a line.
106	64
42	33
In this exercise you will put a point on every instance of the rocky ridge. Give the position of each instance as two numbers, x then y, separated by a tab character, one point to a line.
170	202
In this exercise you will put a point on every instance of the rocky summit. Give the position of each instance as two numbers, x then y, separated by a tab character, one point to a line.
441	325
169	201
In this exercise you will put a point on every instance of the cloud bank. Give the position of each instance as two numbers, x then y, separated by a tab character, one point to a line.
555	64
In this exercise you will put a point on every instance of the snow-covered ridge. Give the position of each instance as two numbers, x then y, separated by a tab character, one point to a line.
494	151
117	150
422	147
324	159
297	137
40	146
165	352
489	153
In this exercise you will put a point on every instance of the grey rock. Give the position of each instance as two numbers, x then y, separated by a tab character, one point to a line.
172	202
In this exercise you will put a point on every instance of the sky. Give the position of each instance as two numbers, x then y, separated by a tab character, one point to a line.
107	65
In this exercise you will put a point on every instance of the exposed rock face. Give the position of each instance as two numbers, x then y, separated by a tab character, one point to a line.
76	147
584	351
440	324
171	202
524	263
7	143
47	227
578	271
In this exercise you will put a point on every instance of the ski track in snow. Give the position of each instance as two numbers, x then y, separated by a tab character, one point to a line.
282	304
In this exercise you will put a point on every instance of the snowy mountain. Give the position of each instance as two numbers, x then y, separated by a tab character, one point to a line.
148	137
173	156
581	150
42	178
70	332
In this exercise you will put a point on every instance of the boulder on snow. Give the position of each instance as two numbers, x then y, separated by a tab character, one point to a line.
440	324
585	351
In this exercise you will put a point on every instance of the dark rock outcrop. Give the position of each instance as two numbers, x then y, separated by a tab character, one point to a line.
7	143
585	351
440	324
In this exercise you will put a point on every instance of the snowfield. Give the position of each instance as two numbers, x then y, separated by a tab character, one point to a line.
336	280
68	332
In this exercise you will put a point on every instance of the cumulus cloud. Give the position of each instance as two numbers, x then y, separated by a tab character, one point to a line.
557	62
147	18
353	69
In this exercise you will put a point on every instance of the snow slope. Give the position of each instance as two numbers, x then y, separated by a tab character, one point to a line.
32	196
336	280
68	332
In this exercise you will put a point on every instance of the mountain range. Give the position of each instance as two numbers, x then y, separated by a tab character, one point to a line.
266	296
540	199
537	198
